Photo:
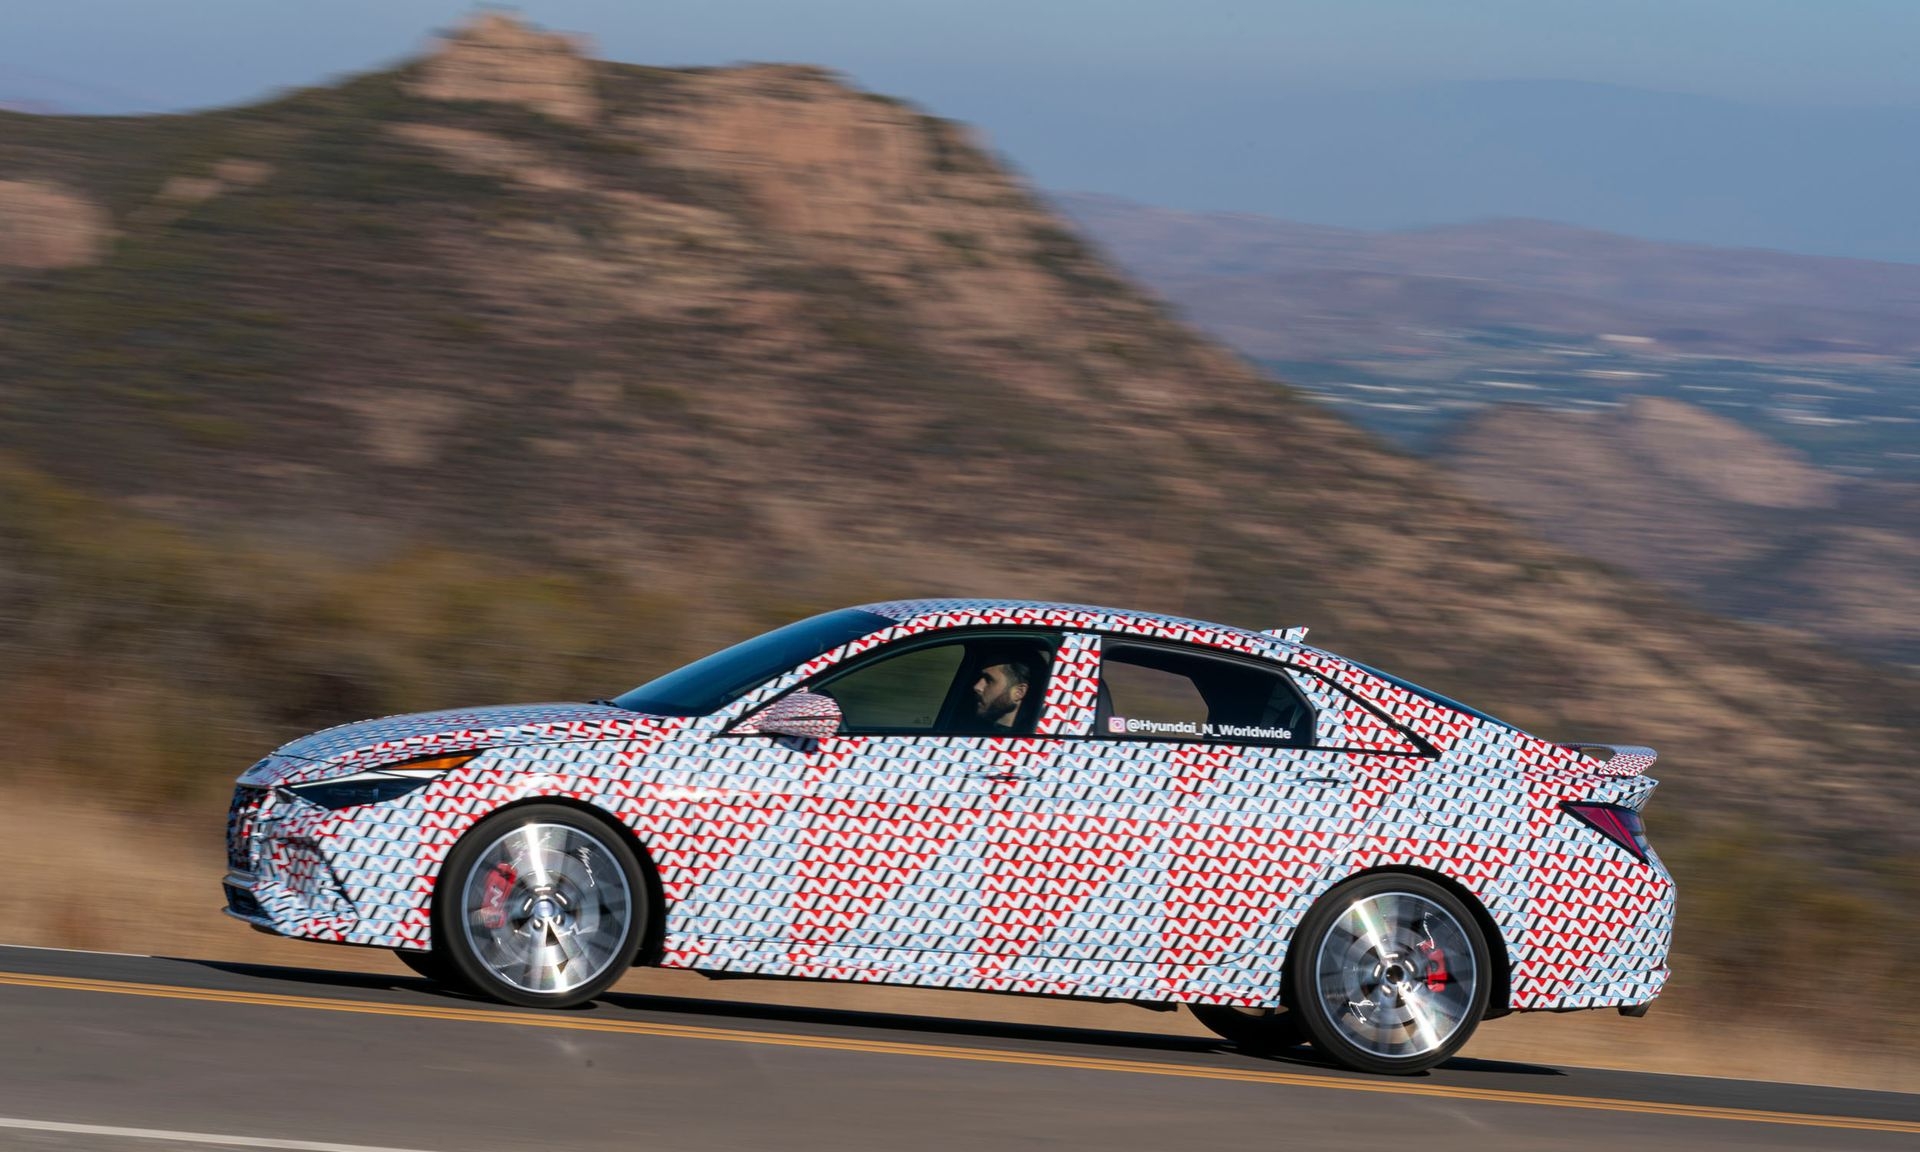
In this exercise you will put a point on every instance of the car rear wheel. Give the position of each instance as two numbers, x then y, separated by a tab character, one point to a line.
541	906
1254	1029
1389	973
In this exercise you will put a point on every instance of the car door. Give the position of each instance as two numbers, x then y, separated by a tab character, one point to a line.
878	863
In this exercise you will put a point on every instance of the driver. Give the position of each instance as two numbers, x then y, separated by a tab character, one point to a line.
1007	675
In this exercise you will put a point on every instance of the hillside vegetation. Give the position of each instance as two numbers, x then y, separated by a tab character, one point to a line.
509	374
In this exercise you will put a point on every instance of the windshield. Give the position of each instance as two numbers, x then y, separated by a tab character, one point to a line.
712	681
1430	694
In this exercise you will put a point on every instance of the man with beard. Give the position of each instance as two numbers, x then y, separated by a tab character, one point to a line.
1007	676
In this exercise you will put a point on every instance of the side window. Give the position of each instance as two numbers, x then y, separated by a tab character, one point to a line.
1150	692
1142	693
901	693
982	685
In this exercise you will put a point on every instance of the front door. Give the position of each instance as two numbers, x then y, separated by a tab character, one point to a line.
877	864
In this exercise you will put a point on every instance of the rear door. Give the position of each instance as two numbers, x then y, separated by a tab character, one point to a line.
1176	834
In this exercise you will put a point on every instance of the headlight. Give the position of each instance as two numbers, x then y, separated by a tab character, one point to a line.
379	786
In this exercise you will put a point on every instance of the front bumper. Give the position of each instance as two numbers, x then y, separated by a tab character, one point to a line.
243	905
354	876
309	906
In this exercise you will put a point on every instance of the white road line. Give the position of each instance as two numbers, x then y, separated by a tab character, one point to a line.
78	951
189	1137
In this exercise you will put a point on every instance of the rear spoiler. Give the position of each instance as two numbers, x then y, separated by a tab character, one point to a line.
1616	759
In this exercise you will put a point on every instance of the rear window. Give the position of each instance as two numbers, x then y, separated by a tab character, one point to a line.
1430	694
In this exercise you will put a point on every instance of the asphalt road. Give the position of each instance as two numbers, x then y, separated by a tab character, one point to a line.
118	1053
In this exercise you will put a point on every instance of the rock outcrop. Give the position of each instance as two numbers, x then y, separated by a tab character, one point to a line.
44	225
496	59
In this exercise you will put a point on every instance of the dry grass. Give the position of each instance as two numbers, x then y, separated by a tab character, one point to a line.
132	885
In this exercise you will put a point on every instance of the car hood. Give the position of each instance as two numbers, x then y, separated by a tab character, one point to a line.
392	739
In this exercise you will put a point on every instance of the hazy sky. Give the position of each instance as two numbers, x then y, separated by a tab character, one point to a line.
1206	103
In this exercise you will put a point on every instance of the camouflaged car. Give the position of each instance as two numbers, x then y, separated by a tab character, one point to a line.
989	795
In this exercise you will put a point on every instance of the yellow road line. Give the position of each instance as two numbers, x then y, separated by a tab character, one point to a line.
525	1019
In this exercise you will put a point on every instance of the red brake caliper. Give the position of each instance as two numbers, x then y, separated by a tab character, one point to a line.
1437	976
493	902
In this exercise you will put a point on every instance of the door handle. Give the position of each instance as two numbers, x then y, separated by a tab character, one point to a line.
1004	777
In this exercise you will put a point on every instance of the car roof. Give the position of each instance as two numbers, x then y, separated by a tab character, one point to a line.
1279	643
1047	613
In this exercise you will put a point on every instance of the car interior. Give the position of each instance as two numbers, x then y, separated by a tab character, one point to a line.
928	689
1201	688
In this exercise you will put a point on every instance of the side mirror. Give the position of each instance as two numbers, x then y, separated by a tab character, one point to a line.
807	715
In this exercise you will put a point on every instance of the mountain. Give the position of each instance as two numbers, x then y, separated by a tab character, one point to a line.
1705	505
1738	425
1407	332
508	373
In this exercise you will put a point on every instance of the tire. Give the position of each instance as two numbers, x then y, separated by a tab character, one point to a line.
1252	1029
541	906
1389	973
428	965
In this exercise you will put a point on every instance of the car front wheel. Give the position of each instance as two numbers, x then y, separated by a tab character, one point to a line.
541	906
1389	973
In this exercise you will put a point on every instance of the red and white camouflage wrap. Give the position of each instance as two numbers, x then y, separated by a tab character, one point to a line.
1624	759
796	714
1067	862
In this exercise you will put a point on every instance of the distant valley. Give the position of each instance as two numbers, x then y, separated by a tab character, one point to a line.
1741	426
1408	332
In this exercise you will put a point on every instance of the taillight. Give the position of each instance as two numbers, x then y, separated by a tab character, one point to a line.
1616	822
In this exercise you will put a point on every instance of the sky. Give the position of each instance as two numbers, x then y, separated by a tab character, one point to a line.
1773	123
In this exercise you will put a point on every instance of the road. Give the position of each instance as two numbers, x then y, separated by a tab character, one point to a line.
121	1053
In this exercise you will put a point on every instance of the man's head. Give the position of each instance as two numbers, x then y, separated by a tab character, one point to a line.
1006	676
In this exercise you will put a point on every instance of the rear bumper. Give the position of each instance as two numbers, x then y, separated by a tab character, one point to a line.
1598	933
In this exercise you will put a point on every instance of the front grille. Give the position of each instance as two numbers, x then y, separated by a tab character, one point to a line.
240	818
